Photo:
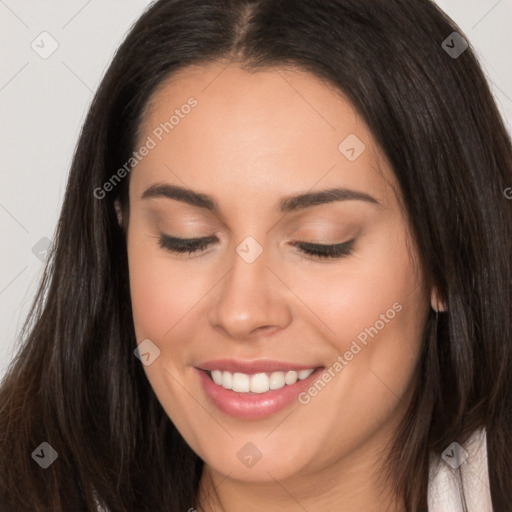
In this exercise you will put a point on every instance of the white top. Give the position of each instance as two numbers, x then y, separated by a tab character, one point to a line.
471	462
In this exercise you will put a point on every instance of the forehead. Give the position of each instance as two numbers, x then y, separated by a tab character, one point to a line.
278	129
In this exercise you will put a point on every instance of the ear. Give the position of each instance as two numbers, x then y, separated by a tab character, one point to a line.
436	302
119	212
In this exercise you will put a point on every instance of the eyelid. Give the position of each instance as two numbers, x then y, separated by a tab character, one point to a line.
307	250
192	239
323	251
212	238
167	240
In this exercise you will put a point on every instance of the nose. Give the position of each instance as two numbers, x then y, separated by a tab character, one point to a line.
250	301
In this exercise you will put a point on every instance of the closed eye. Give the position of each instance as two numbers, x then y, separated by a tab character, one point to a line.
182	246
326	251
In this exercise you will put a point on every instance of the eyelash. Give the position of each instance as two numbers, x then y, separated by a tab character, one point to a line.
191	245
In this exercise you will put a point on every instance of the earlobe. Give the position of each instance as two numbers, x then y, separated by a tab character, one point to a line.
119	212
436	303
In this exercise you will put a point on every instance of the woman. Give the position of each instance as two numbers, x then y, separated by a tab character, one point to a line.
281	278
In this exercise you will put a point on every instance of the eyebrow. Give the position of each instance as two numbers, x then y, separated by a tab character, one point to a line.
286	205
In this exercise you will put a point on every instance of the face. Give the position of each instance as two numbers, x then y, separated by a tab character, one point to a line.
319	348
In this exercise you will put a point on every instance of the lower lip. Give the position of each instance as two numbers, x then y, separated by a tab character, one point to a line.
251	406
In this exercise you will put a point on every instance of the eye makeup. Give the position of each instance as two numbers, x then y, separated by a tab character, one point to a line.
183	246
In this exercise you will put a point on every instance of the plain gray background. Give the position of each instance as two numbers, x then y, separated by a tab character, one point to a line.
43	102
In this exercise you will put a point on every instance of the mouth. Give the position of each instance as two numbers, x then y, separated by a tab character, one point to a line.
253	390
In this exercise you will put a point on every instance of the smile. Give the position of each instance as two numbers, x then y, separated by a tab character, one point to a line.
253	390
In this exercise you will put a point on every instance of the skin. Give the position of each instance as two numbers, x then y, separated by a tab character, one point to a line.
252	139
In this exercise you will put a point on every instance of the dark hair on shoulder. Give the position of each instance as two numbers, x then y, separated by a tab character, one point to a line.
75	382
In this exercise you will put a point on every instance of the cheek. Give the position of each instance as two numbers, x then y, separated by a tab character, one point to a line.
151	288
161	292
162	295
372	310
378	289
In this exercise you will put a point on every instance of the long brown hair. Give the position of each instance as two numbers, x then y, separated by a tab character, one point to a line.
76	384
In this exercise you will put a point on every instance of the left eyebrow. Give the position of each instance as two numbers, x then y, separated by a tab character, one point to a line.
286	205
310	199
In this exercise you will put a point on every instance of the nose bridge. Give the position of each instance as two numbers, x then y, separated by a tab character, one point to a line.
250	296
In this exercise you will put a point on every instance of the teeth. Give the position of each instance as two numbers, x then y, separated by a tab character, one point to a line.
290	377
217	377
304	374
277	380
258	382
241	382
227	380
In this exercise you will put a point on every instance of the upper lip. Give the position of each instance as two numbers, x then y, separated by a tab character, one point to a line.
251	367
